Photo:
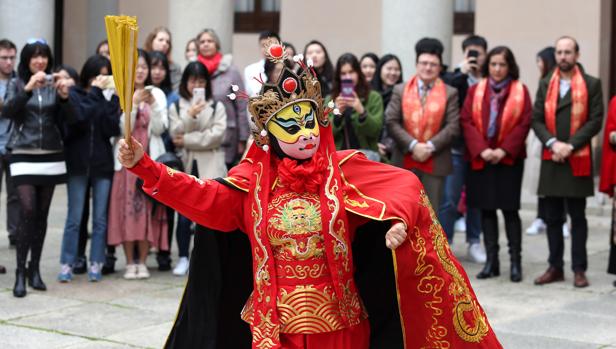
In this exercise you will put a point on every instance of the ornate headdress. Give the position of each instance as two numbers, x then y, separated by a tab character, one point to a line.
289	88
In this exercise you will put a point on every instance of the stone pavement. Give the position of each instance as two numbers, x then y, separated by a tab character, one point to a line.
116	313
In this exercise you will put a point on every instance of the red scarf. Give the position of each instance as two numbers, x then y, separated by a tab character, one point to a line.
211	63
608	156
580	160
510	118
423	122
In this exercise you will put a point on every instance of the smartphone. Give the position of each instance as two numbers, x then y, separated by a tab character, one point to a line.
108	82
472	55
346	88
149	88
198	94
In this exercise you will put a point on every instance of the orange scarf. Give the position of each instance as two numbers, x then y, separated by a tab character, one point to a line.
580	160
423	122
511	116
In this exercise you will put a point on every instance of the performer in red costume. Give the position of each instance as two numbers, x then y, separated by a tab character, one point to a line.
320	223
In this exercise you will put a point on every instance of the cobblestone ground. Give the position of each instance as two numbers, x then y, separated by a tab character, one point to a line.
116	313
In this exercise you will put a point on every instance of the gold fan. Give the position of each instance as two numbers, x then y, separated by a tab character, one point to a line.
122	36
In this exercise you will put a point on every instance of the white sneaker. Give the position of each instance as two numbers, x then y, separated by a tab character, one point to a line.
460	224
142	271
182	267
566	232
131	272
476	253
536	227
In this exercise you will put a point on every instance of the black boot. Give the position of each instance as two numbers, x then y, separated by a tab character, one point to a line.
489	225
513	229
516	270
491	268
34	277
19	290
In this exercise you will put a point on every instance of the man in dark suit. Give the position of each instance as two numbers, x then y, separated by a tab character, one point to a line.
423	119
567	114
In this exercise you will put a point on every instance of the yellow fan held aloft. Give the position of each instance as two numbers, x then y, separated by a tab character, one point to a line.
122	36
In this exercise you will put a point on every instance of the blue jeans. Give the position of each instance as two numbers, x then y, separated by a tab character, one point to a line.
77	188
448	211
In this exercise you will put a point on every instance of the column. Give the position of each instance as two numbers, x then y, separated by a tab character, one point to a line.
97	10
22	20
187	18
404	22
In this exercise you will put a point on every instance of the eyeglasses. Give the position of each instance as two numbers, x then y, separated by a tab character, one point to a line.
428	64
36	41
7	58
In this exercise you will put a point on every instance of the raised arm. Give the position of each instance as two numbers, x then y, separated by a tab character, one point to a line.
206	202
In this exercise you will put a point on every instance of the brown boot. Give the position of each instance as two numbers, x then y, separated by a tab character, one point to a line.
579	279
551	275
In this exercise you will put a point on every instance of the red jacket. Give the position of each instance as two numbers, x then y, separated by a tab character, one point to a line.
514	143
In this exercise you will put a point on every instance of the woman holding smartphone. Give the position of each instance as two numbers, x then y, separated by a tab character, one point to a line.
89	159
198	126
361	120
134	221
38	103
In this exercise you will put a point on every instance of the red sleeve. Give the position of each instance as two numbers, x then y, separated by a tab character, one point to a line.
208	203
514	143
475	141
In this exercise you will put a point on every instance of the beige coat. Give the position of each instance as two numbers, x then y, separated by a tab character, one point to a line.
203	137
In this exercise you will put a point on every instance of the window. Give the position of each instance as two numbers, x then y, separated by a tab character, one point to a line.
253	16
464	17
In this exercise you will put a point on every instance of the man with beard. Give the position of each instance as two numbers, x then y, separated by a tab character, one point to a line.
567	114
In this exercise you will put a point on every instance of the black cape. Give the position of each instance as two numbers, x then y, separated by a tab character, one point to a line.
220	281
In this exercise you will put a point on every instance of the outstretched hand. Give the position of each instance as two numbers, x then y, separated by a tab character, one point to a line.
130	155
395	236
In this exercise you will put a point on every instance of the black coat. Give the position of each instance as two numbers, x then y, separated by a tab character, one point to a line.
87	139
38	116
556	179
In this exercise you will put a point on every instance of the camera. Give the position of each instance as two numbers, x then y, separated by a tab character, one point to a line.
49	79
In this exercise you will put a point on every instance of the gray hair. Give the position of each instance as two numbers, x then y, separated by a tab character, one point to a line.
213	34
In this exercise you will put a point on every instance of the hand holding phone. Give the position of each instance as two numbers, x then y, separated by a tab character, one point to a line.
107	82
472	58
347	88
49	79
198	94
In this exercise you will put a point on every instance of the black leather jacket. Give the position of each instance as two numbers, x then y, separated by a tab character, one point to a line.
38	117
